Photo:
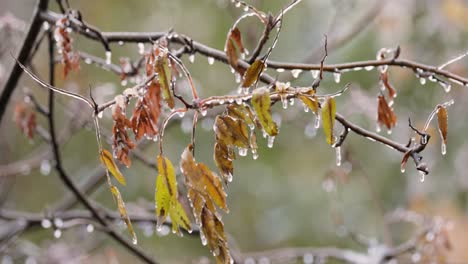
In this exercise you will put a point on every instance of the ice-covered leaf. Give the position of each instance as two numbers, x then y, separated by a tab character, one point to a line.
385	114
328	119
213	230
231	131
164	76
123	212
311	103
231	53
223	157
235	35
108	161
391	91
242	112
179	218
261	103
252	73
442	119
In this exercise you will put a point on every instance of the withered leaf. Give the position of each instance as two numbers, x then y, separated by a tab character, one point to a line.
385	114
391	91
108	161
123	212
164	76
223	157
235	35
231	53
252	73
261	103
328	119
442	119
213	230
231	131
199	177
242	112
146	113
404	161
121	142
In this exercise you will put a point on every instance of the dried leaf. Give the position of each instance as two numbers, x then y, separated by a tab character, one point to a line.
391	91
223	158
261	103
405	160
231	131
108	161
144	121
385	114
235	35
25	119
242	112
252	73
164	76
213	230
123	212
231	53
199	177
442	119
121	142
328	119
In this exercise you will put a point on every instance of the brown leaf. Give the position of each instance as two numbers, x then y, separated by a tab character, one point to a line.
391	91
146	113
25	119
213	232
252	73
231	53
223	157
121	142
231	131
404	161
70	59
242	112
385	114
235	35
442	119
165	77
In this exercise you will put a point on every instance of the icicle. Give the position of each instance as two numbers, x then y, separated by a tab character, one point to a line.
314	73
141	48
369	68
100	114
422	176
357	68
108	57
88	61
203	238
284	101
203	112
338	156
46	223
239	100
246	8
45	167
58	222
243	152
443	148
291	101
210	60
447	86
46	26
337	77
280	70
295	73
57	233
306	108
422	81
271	140
89	228
121	43
254	154
134	240
191	58
181	114
237	77
317	120
378	128
402	169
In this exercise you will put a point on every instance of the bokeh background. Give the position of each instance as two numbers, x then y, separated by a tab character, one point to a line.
293	195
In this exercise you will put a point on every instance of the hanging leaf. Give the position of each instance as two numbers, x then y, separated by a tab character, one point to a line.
123	212
231	53
166	197
261	103
121	142
404	161
252	73
328	119
391	91
144	121
213	230
223	157
442	119
199	177
385	114
235	36
311	103
164	76
108	161
231	131
242	112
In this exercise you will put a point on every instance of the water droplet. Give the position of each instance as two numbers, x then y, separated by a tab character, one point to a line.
271	140
337	77
378	128
291	101
357	68
402	169
422	176
121	43
246	8
134	240
108	57
422	81
317	120
203	112
88	61
203	238
306	108
338	156
447	86
124	82
280	70
141	48
57	233
295	73
308	258
89	228
191	58
239	100
328	185
243	152
284	102
254	154
100	114
45	167
46	223
46	26
58	222
369	68
238	4
443	148
211	60
389	131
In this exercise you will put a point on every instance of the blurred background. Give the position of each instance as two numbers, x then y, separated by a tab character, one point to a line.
294	194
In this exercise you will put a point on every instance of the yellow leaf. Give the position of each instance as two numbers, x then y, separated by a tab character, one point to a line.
108	161
179	218
261	103
123	212
252	73
164	76
328	119
242	112
311	103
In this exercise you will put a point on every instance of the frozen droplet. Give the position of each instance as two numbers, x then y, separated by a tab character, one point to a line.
191	58
210	60
317	120
337	77
245	90
271	140
243	152
416	257
238	4
45	167
141	48
328	185
338	156
58	222
239	100
357	68
134	240
291	101
389	131
229	177
203	238
237	77
422	176
422	81
369	68
284	102
402	169
108	57
447	86
280	70
378	128
203	112
88	61
306	108
89	228
46	223
295	73
308	258
57	233
124	82
100	114
246	8
443	148
121	43
254	154
46	26
314	73
181	114
264	133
